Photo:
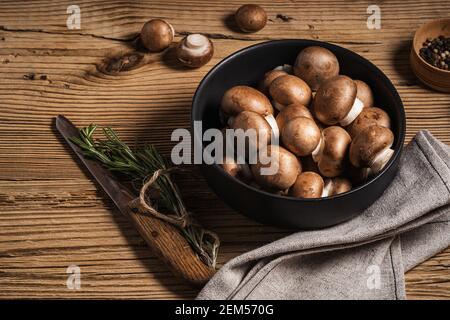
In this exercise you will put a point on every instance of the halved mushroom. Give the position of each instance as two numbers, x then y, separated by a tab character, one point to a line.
364	93
301	136
371	148
292	111
288	168
268	78
307	185
289	89
244	98
315	65
337	185
367	118
336	102
336	142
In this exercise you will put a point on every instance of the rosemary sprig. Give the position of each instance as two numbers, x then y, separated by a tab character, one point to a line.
139	164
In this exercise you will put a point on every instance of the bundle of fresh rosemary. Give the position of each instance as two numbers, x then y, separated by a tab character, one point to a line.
139	165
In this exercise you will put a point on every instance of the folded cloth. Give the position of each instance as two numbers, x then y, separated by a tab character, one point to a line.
364	258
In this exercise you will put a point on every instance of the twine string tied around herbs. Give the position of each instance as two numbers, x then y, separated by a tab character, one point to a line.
183	221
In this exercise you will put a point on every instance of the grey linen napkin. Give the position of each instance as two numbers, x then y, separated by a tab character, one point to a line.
364	258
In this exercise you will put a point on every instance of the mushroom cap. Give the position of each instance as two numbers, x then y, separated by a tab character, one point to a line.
157	35
336	143
315	65
249	120
289	89
340	185
301	136
367	118
290	112
334	99
268	78
195	50
364	93
307	185
239	171
368	143
250	18
242	98
288	169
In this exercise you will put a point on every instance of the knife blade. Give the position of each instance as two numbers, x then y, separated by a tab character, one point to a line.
165	239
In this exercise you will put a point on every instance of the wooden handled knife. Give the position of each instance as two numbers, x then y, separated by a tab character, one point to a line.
164	239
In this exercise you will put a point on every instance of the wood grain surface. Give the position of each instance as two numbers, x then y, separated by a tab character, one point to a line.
51	214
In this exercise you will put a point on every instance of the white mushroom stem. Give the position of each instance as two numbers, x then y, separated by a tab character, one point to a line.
285	67
317	152
356	109
196	44
328	188
275	130
380	160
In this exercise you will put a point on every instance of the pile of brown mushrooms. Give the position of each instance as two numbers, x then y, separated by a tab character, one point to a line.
332	137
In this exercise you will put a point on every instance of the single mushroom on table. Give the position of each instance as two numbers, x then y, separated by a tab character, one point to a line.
367	118
333	153
371	148
337	185
156	35
336	102
283	169
315	65
250	18
289	89
364	93
195	50
301	136
292	111
308	185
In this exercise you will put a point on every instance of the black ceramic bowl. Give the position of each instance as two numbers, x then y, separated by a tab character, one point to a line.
247	67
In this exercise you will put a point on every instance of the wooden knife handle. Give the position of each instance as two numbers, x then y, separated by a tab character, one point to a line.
168	244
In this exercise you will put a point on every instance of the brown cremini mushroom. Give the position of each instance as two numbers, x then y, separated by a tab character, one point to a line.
250	18
157	35
237	170
287	169
371	148
301	136
336	102
289	89
249	120
268	78
307	185
195	50
244	98
331	161
367	118
364	93
337	185
316	65
290	112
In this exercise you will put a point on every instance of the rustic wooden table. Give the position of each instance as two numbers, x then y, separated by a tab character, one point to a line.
51	214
